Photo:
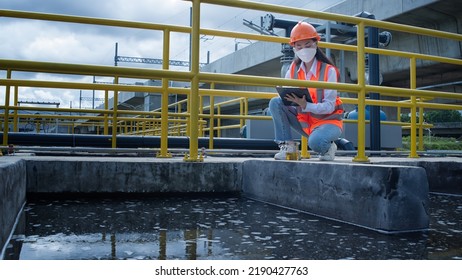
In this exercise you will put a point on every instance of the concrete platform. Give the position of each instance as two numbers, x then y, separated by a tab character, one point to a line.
387	194
382	197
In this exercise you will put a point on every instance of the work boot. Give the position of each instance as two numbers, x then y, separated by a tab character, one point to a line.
287	148
330	154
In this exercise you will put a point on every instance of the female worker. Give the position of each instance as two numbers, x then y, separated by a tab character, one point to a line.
320	121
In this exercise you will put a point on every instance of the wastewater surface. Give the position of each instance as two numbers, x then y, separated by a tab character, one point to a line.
218	228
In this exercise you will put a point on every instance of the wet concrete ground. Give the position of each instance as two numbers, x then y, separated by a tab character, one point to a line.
218	228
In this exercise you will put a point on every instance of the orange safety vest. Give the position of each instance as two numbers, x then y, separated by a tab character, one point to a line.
317	95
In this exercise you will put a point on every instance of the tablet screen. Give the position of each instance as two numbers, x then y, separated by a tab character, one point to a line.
300	92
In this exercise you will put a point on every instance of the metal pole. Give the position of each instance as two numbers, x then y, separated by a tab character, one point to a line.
211	119
374	79
15	114
6	123
328	35
116	53
361	156
93	99
114	114
413	74
190	34
164	99
194	96
106	107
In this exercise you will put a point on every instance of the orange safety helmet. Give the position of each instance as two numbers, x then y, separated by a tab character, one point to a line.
302	31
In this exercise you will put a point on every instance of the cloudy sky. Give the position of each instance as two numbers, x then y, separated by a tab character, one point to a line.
85	44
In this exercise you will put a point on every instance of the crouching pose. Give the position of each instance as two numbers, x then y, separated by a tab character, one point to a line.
321	120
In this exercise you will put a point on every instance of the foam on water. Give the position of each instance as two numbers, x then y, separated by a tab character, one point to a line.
218	228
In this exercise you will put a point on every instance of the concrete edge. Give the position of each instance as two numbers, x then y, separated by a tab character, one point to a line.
382	197
444	176
13	195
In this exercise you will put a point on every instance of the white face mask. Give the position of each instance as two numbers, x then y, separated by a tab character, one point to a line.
306	54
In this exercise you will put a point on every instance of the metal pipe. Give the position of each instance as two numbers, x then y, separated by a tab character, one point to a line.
374	79
105	141
441	85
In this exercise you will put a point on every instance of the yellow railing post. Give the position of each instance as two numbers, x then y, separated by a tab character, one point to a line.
37	126
421	134
15	114
201	110
361	155
212	118
143	128
304	150
106	107
219	121
413	79
114	115
241	112
194	96
6	122
179	110
164	100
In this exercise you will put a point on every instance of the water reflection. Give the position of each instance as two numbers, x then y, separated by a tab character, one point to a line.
219	228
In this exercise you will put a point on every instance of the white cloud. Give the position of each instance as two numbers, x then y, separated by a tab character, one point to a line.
60	48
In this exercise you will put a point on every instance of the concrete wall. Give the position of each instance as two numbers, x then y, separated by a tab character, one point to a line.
243	59
382	9
386	198
134	175
443	176
12	194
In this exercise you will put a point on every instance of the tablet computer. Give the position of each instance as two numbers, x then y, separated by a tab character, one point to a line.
300	92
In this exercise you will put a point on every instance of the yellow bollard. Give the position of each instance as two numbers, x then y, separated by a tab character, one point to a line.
304	152
294	155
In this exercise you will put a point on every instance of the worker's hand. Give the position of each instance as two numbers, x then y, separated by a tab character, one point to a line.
301	101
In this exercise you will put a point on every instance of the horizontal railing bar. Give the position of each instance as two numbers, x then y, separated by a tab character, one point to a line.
92	70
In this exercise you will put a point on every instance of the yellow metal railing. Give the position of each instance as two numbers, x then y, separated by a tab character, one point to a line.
192	121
